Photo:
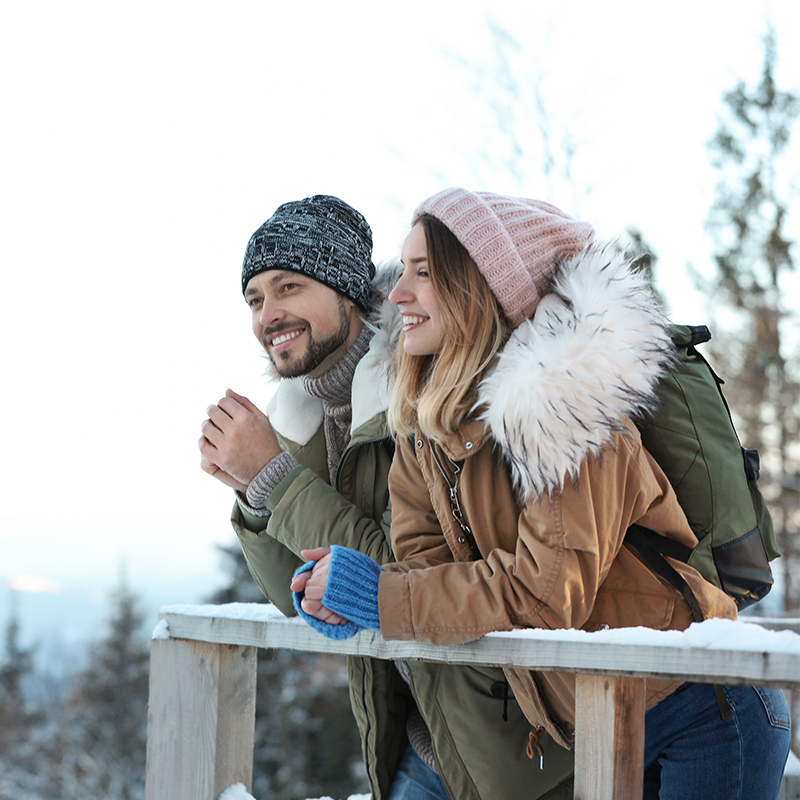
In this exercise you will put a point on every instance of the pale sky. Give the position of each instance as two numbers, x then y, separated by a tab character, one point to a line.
143	143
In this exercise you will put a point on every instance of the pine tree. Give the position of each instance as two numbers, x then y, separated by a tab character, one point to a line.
15	666
753	256
101	742
17	722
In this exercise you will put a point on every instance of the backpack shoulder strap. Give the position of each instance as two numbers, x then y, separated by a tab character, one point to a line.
642	540
652	548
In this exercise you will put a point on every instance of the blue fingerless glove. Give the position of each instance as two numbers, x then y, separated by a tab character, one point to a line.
345	631
352	592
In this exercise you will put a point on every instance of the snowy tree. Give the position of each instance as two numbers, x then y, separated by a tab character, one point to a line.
16	665
753	257
98	749
19	775
523	144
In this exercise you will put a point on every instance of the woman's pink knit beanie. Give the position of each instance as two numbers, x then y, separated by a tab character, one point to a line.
515	242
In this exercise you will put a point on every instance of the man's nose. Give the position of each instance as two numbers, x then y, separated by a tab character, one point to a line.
271	314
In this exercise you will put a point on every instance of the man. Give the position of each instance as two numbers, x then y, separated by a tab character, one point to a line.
313	472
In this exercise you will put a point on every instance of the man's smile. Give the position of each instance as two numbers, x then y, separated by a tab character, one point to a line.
280	340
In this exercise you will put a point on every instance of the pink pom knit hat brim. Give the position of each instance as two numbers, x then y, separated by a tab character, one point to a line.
516	243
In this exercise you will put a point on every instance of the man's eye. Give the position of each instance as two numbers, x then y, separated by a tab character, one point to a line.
288	286
254	301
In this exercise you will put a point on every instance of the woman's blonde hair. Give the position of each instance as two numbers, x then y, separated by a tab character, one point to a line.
435	393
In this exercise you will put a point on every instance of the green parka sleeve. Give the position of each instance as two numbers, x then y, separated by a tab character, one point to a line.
306	512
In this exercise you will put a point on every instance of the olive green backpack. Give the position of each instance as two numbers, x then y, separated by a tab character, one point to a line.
691	436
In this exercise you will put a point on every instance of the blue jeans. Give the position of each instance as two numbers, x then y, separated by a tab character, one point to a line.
690	752
415	780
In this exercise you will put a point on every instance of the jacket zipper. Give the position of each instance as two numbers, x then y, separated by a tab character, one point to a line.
455	506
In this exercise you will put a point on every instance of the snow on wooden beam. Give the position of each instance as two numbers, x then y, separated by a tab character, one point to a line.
717	651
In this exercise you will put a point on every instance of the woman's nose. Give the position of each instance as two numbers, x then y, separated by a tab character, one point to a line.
399	293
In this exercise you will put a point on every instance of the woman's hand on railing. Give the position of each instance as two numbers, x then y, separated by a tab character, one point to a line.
336	592
312	584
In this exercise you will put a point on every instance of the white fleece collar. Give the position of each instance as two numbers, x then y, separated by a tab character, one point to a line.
592	355
297	415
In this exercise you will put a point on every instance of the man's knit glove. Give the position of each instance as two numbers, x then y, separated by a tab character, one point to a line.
352	593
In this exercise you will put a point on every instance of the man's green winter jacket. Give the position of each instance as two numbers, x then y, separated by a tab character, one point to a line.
305	513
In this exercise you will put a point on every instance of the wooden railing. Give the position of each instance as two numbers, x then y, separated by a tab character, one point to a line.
203	674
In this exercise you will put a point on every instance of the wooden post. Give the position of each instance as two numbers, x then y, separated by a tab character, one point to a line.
200	720
609	738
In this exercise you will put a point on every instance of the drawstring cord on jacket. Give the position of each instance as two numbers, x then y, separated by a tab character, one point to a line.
535	747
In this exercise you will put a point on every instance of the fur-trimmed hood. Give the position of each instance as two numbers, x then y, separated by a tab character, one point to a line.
592	354
297	415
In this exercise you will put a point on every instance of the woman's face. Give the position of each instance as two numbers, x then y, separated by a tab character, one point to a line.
413	294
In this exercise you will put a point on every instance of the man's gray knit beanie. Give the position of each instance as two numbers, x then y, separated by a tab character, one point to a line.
321	237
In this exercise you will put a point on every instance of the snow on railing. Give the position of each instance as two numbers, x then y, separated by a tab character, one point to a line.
201	713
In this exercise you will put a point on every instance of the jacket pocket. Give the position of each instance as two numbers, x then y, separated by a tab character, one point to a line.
620	608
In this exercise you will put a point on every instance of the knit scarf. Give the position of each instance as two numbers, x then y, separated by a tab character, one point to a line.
335	388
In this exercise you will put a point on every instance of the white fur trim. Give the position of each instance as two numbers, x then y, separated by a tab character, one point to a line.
370	391
592	354
374	374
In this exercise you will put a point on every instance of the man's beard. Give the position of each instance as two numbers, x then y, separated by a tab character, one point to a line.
317	350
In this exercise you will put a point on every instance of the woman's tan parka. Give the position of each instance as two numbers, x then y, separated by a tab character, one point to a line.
548	475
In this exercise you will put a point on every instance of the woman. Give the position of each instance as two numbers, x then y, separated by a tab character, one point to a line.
526	352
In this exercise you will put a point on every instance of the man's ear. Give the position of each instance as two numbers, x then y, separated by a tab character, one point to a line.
356	314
